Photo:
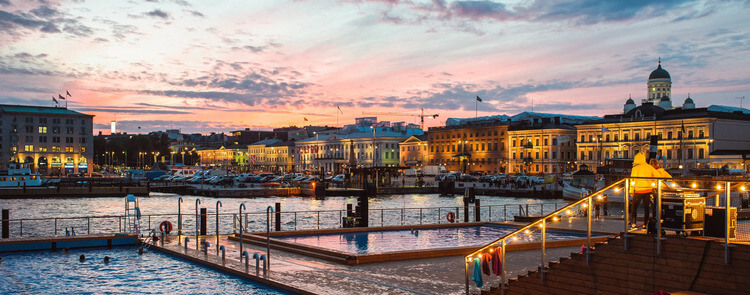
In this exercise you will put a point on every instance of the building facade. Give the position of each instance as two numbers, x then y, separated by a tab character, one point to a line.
474	146
54	141
414	152
547	147
687	137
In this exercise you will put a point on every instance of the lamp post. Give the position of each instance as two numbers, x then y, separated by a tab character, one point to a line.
183	157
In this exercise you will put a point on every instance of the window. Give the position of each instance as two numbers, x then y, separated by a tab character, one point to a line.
55	148
546	141
606	138
637	136
554	155
56	129
669	135
42	129
29	138
42	148
583	155
29	129
68	130
583	139
690	134
701	134
28	148
554	141
55	139
700	154
690	154
591	155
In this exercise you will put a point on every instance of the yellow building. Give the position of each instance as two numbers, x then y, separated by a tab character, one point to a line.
545	148
474	146
687	137
414	151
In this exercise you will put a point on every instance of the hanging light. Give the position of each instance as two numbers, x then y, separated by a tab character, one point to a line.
694	185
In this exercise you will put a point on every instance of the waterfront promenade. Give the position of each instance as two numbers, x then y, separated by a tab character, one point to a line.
443	275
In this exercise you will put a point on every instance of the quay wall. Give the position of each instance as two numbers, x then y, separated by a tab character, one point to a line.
88	191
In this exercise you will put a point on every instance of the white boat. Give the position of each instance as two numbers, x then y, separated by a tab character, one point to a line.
19	175
573	192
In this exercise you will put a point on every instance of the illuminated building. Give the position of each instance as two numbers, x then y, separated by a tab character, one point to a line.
367	143
470	145
541	145
52	140
690	137
414	151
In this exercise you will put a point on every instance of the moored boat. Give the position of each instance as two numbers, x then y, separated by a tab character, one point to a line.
19	175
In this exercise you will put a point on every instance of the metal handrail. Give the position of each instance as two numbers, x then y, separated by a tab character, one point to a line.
541	221
724	187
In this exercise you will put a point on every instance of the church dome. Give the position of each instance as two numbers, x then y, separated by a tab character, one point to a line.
630	101
689	100
645	110
659	73
664	98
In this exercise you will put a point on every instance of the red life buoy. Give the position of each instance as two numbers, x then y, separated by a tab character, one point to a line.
165	226
451	217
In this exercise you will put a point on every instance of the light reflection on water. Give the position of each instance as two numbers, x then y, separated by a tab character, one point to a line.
161	203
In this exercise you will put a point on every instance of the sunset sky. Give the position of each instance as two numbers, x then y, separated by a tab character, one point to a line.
227	65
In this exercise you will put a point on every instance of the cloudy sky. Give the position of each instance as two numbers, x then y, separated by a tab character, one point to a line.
226	65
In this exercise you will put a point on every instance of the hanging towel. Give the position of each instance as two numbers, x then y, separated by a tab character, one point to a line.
477	277
497	264
486	263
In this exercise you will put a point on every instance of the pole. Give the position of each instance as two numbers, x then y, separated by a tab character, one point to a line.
218	204
657	205
728	222
588	230
242	206
626	212
544	233
179	219
268	236
502	269
197	201
466	273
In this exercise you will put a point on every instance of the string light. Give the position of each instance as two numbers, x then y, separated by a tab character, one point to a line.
585	205
742	188
568	212
527	232
718	186
617	189
555	218
599	197
653	184
674	184
694	185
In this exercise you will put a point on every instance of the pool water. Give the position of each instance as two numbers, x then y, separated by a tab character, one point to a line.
378	242
44	272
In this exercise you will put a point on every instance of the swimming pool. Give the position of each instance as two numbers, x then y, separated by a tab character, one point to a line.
44	272
379	242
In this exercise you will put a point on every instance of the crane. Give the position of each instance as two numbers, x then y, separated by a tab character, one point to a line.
421	116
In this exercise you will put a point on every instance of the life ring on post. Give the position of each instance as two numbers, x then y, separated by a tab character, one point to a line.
451	217
165	226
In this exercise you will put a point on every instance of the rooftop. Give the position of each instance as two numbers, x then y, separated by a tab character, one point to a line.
22	109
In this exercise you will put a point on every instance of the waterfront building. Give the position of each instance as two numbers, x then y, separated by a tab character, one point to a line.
271	155
414	151
688	137
53	140
470	144
221	158
541	146
367	143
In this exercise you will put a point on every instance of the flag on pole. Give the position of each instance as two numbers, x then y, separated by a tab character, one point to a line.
340	109
60	96
563	139
604	129
479	99
54	99
68	93
306	120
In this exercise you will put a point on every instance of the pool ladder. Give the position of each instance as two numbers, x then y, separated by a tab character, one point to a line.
132	215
